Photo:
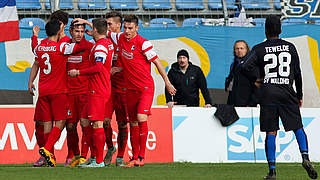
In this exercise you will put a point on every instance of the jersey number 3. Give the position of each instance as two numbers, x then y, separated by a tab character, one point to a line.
46	62
284	59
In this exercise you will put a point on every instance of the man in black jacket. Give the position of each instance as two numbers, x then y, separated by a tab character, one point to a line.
187	79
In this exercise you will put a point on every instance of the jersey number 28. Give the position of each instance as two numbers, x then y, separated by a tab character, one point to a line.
284	59
46	62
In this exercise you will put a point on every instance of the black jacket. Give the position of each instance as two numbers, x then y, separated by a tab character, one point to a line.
243	91
188	85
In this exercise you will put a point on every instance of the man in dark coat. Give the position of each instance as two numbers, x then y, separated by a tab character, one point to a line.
187	79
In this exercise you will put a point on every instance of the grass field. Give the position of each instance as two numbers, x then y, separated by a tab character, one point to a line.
166	171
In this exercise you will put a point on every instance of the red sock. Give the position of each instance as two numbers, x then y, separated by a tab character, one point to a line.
134	138
40	135
53	138
99	141
143	132
73	143
122	141
108	134
86	140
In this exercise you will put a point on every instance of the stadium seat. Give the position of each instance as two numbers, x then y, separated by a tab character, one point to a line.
276	4
287	22
255	4
259	22
28	4
216	4
64	4
92	4
30	22
124	4
162	22
317	22
156	4
189	4
192	22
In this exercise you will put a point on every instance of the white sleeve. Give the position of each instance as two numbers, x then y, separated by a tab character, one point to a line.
67	48
100	54
148	51
115	37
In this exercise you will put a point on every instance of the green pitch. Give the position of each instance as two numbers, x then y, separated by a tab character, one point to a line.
163	171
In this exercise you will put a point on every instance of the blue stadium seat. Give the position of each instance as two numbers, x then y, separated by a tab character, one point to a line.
216	4
64	4
156	4
287	22
255	4
317	22
259	22
124	4
28	4
162	22
192	22
276	4
189	4
30	22
92	4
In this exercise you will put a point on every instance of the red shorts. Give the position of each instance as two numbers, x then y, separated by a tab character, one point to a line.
77	106
99	108
139	102
119	102
52	108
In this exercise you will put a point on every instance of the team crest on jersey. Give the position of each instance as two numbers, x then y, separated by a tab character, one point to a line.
127	54
132	48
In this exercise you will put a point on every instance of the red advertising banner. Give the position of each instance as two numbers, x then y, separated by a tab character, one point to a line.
18	142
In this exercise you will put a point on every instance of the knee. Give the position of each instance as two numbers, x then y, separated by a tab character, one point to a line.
122	125
134	123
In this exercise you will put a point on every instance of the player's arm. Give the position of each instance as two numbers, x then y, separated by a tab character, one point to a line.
100	57
114	37
32	77
169	97
73	48
297	75
250	65
202	84
34	38
170	88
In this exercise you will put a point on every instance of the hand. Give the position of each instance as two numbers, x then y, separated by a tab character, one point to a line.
115	70
207	106
170	88
89	32
171	103
31	89
35	30
258	83
300	103
73	73
82	21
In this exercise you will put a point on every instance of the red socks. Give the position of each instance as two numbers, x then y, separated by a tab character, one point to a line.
134	138
122	141
86	140
40	135
143	132
53	138
99	141
108	134
73	143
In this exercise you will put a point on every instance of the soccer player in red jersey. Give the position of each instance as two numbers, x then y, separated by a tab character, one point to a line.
118	94
99	86
62	17
137	54
52	102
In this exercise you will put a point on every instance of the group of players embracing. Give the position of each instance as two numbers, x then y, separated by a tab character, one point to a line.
87	81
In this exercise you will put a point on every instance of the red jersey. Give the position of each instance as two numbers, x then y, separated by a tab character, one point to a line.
79	84
136	57
118	82
100	60
52	63
34	41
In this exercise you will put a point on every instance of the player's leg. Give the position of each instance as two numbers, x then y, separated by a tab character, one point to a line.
108	132
122	121
143	111
59	109
269	123
291	119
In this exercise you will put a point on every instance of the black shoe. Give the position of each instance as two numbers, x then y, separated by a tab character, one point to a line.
271	174
306	164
